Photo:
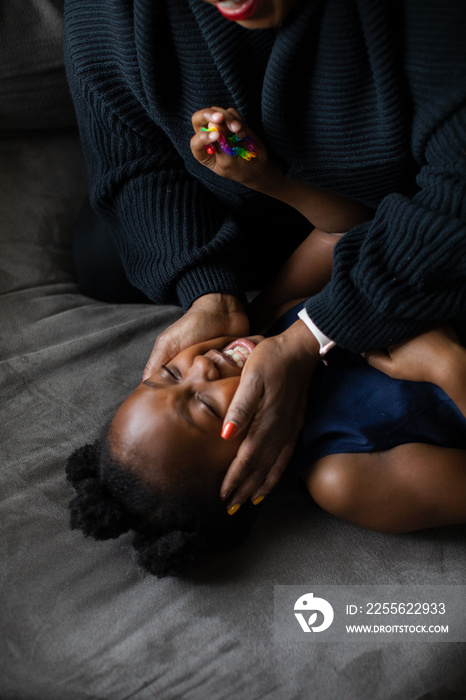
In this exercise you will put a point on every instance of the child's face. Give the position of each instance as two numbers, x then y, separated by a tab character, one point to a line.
170	425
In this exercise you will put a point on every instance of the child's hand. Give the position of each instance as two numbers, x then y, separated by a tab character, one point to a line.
425	358
258	173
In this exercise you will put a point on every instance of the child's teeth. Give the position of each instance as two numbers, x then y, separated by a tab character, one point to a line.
239	354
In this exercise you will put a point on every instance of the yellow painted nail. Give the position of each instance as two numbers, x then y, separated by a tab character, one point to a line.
232	509
258	500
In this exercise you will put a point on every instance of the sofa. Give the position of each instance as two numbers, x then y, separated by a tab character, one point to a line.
79	619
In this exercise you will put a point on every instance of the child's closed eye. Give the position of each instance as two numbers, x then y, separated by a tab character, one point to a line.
210	408
173	372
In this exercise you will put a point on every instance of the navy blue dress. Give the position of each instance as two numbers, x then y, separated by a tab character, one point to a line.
356	408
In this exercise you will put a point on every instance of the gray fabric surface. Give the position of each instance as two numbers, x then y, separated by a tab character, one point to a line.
33	89
78	618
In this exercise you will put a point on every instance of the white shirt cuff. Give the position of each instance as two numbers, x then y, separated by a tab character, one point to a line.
324	341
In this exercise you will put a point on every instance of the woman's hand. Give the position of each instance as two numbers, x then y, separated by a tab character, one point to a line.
259	173
270	404
425	358
210	316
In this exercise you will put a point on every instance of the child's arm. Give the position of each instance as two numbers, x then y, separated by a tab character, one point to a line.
310	267
305	273
327	211
436	356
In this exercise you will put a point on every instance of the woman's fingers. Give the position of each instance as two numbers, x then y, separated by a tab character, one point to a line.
270	403
263	406
164	349
275	473
168	344
245	406
210	316
260	482
258	466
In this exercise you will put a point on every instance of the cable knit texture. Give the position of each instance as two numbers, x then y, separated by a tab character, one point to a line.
367	99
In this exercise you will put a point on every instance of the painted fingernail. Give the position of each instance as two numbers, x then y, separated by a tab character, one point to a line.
233	509
258	500
229	431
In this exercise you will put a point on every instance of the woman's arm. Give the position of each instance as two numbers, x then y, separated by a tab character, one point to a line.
173	236
161	217
404	271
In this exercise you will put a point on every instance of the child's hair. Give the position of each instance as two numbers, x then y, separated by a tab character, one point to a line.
172	527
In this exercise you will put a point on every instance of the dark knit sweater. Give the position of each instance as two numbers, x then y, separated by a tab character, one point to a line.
362	97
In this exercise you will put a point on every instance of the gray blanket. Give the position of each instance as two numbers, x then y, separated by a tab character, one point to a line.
78	618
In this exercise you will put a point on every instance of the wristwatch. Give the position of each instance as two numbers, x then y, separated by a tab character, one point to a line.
325	344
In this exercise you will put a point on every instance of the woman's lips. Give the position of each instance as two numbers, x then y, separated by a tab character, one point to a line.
238	10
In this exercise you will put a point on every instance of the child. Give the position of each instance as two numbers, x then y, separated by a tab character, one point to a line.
383	453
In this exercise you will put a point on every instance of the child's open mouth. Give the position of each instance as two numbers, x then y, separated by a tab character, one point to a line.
237	10
239	350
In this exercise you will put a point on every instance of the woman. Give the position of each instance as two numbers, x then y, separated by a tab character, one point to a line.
363	100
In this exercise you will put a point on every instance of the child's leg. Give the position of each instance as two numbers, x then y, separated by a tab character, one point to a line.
410	487
305	273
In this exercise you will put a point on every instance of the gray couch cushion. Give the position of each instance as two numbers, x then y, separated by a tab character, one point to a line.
33	88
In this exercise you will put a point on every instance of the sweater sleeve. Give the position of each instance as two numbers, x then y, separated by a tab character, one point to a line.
173	236
406	269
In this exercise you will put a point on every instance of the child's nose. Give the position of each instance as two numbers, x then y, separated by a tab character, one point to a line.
205	368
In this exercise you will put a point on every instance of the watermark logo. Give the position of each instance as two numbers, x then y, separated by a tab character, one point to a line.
363	612
308	603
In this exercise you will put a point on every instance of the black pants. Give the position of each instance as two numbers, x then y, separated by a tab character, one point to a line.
99	269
